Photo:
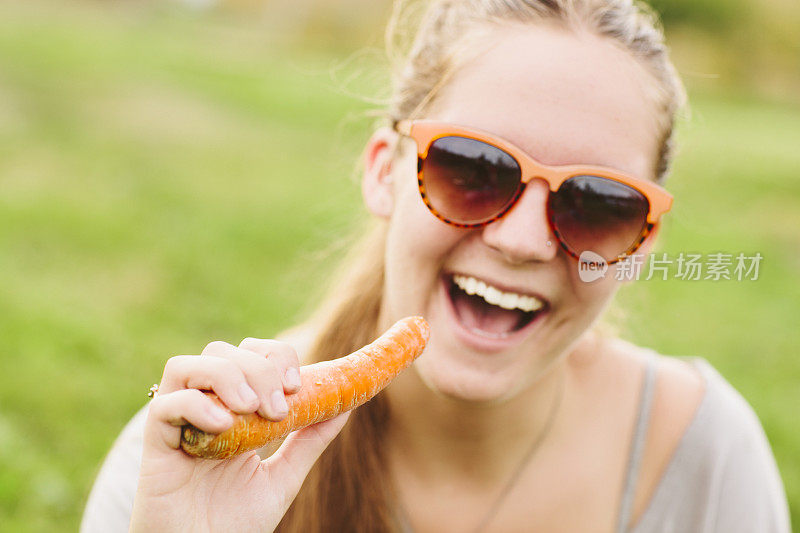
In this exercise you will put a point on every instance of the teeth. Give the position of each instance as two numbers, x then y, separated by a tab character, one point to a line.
494	296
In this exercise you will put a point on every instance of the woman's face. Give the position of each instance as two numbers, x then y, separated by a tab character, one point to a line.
564	99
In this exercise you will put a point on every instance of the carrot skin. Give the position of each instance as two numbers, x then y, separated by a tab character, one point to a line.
329	388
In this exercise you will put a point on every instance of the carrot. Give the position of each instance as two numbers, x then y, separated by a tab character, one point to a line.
329	388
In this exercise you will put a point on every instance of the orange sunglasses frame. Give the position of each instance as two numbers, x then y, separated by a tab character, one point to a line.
424	132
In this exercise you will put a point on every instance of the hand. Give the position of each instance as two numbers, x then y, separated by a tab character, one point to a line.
177	492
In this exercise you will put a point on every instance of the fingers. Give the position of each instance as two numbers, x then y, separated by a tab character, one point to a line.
298	453
171	411
282	355
220	375
252	377
265	371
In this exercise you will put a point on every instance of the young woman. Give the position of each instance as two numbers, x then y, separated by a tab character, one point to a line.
520	134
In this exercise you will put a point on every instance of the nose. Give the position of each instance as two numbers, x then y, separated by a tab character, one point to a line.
523	233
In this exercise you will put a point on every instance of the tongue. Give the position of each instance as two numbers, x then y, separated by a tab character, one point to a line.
476	313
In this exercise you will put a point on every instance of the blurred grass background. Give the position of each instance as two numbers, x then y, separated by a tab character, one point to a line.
169	173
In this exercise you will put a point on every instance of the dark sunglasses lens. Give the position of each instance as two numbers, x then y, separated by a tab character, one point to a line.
598	214
468	181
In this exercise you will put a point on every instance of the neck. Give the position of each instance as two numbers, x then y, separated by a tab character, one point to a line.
435	437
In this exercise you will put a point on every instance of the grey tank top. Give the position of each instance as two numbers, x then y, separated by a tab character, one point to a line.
637	445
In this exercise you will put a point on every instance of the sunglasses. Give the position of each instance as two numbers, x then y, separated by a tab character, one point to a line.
469	178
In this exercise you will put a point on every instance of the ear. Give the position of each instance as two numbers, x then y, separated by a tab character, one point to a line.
376	186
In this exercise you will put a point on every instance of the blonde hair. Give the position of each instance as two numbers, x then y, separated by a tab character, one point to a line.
350	487
447	33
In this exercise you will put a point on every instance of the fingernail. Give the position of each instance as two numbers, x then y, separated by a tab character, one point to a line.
293	378
247	394
279	405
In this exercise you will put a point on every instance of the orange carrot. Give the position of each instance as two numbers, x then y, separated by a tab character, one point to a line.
329	388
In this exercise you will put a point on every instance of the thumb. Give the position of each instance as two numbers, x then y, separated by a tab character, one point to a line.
298	453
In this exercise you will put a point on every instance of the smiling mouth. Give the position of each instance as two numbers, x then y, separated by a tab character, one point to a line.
487	311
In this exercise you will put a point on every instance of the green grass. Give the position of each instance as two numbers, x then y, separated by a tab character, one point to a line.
169	180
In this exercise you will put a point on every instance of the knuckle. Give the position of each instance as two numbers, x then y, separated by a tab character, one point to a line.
251	343
272	350
248	363
292	356
216	348
247	356
226	370
283	351
267	372
271	367
174	364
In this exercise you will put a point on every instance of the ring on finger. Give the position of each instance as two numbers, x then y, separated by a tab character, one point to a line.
153	391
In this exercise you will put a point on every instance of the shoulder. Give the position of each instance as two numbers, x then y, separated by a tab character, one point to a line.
706	461
734	467
723	418
678	390
688	394
678	395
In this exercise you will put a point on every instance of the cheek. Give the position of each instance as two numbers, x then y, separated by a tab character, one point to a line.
592	296
417	247
415	235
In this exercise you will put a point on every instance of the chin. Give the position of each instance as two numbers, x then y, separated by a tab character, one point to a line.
459	380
